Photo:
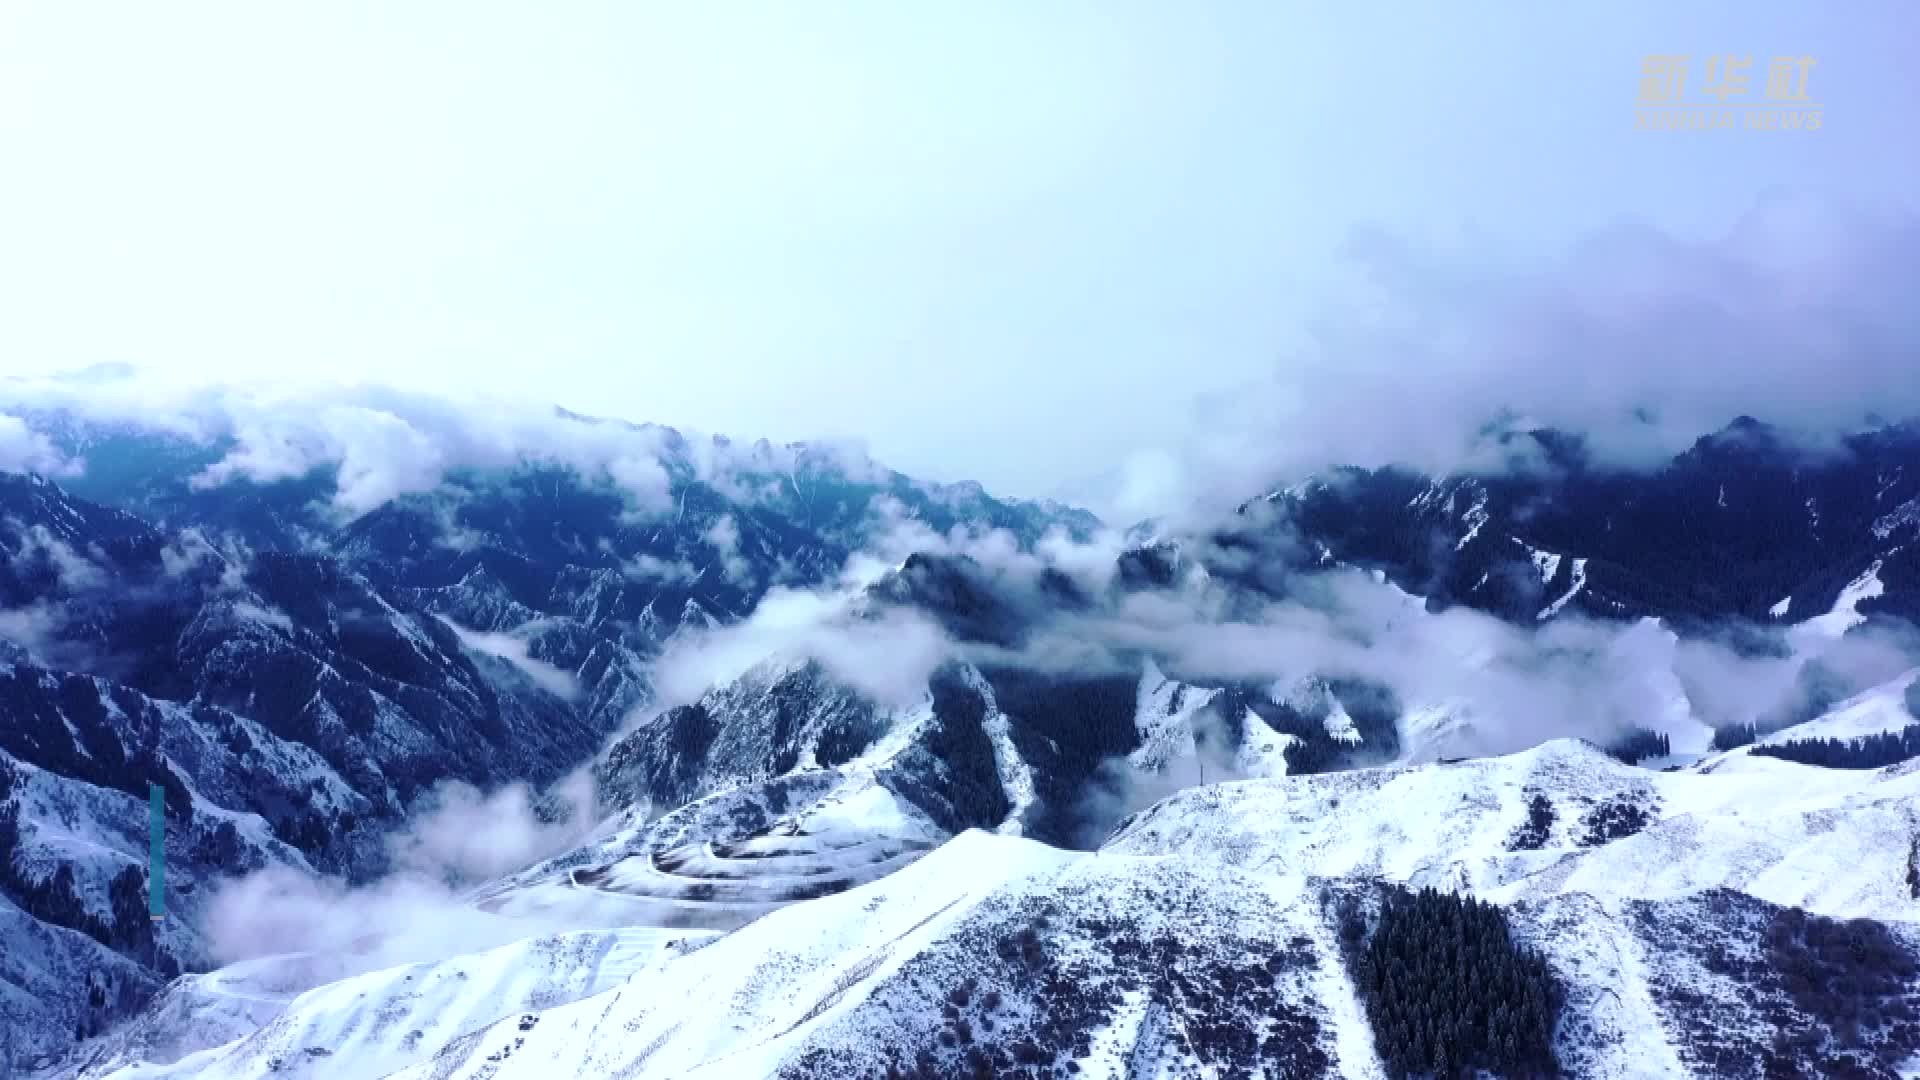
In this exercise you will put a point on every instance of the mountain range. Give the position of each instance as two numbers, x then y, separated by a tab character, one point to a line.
895	778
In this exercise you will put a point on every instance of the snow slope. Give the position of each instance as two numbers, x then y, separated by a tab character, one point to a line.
1873	712
1845	613
1834	842
371	1024
1199	940
198	1012
1125	955
45	972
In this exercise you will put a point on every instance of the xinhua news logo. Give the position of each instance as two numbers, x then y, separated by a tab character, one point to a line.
1726	97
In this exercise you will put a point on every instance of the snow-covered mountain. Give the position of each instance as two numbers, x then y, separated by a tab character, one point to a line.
299	682
1206	932
1678	913
1743	524
900	779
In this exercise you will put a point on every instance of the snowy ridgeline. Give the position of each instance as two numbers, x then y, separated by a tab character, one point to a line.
838	888
1204	934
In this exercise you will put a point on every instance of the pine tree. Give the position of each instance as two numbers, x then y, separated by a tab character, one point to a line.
1866	752
1734	736
1447	990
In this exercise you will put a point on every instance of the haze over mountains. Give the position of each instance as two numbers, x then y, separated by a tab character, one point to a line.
487	732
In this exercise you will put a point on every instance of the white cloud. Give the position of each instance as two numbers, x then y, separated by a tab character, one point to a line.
723	534
654	570
190	548
896	534
186	551
724	537
264	616
1639	339
888	658
645	480
465	835
453	535
34	628
889	654
384	443
1151	482
73	570
515	651
24	450
1092	563
418	912
399	920
387	443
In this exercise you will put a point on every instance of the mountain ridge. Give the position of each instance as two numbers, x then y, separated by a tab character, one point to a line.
502	629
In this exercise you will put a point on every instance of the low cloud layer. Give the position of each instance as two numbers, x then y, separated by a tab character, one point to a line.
1641	340
24	450
282	910
517	652
1118	788
422	910
1404	350
887	654
41	551
1483	684
723	536
44	631
889	659
466	835
384	444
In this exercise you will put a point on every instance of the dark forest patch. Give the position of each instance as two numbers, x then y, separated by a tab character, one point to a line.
1866	752
1446	988
1614	819
953	776
1532	834
1065	727
1638	745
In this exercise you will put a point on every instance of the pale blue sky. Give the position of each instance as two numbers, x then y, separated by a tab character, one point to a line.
1003	241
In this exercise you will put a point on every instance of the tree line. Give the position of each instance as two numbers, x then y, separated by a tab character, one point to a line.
1733	737
1638	745
1865	752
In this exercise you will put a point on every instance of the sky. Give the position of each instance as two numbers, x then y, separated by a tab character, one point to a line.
1084	249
